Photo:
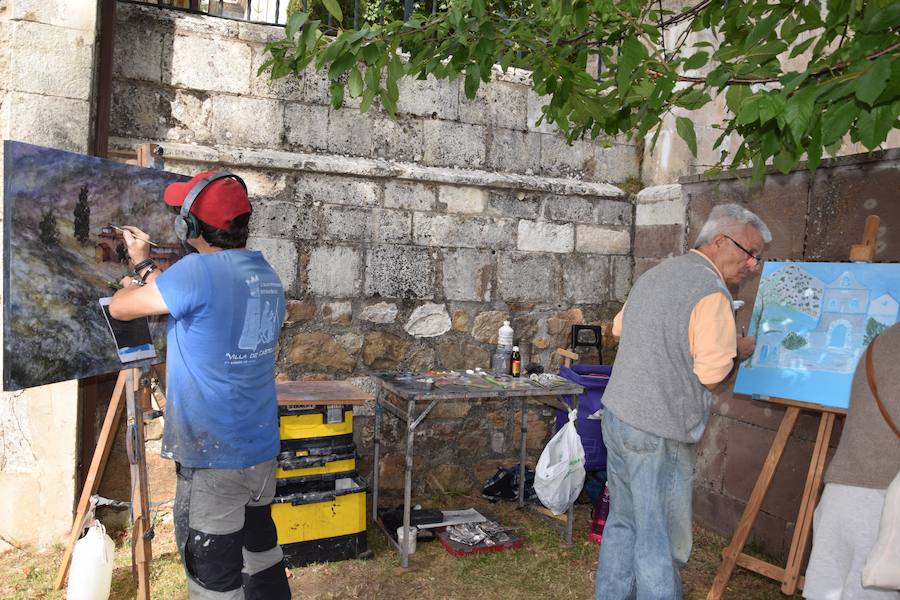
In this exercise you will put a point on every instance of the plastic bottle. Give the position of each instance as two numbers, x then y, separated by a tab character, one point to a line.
500	361
598	516
515	362
505	336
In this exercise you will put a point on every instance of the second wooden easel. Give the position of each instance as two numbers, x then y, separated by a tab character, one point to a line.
124	395
733	555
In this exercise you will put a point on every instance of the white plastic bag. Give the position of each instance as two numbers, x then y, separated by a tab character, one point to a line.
560	469
90	573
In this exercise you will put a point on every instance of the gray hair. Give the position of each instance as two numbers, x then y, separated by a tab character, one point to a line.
725	218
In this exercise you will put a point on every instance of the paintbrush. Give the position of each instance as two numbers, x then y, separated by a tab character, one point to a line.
146	241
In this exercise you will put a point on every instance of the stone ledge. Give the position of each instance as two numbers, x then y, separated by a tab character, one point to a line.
366	167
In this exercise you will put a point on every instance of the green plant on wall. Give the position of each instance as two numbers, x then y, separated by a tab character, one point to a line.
796	76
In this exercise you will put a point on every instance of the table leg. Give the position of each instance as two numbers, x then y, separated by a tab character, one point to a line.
376	443
524	431
407	484
570	514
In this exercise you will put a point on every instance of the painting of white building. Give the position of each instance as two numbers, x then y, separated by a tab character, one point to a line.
812	322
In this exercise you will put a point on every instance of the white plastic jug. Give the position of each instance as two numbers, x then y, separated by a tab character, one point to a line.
90	573
505	336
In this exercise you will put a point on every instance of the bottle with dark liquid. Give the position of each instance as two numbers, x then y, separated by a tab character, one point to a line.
515	362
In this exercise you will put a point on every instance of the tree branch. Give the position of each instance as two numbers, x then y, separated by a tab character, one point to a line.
684	15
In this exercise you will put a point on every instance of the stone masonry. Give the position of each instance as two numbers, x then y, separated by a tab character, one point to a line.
403	242
47	53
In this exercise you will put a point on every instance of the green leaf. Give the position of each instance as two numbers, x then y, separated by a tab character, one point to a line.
337	95
685	128
633	52
802	47
749	111
771	105
355	83
735	97
309	36
341	65
799	111
837	121
813	157
696	61
718	77
395	68
763	30
874	126
334	9
784	161
473	80
295	23
873	81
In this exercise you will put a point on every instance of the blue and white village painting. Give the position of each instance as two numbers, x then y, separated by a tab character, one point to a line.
812	322
61	253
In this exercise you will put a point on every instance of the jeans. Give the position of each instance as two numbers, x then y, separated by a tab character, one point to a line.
647	538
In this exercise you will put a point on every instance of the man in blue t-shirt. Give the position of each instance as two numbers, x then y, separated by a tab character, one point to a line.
225	305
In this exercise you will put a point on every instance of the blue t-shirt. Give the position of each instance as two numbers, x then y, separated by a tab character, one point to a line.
226	312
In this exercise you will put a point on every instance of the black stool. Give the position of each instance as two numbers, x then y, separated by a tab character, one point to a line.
593	337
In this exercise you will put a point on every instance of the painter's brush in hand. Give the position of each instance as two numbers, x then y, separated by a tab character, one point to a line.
137	237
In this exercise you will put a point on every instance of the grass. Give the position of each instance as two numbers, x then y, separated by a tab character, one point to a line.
543	568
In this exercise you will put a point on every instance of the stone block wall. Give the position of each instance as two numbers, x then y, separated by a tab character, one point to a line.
403	243
47	50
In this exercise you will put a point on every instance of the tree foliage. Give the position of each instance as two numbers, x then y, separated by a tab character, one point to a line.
873	329
796	76
793	341
47	230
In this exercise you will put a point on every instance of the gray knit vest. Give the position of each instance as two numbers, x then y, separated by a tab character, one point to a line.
653	386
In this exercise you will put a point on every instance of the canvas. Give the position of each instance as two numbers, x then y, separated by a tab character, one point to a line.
61	253
812	322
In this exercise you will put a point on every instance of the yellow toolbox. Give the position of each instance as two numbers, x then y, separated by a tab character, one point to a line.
307	460
333	507
314	421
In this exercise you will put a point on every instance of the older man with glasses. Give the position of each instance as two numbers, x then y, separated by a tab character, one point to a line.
678	342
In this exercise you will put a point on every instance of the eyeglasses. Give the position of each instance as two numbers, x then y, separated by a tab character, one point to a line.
756	258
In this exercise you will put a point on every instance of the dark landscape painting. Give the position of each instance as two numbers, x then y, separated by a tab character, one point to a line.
61	252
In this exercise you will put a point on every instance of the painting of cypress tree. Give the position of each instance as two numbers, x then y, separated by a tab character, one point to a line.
58	211
83	217
48	232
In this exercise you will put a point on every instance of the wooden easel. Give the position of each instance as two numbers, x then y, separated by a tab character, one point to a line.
128	382
789	575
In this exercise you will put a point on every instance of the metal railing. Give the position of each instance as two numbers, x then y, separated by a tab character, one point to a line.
276	12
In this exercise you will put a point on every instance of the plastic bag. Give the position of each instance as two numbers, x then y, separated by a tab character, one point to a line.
90	573
560	469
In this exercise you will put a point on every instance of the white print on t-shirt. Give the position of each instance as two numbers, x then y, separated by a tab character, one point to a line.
260	323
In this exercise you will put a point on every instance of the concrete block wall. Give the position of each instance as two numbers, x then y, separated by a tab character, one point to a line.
403	243
47	50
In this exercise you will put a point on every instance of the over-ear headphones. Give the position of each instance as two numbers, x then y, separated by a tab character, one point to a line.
186	225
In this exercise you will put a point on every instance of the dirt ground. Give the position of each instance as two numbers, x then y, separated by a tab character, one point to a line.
545	567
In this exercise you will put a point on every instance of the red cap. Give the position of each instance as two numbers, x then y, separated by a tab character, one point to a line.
217	205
